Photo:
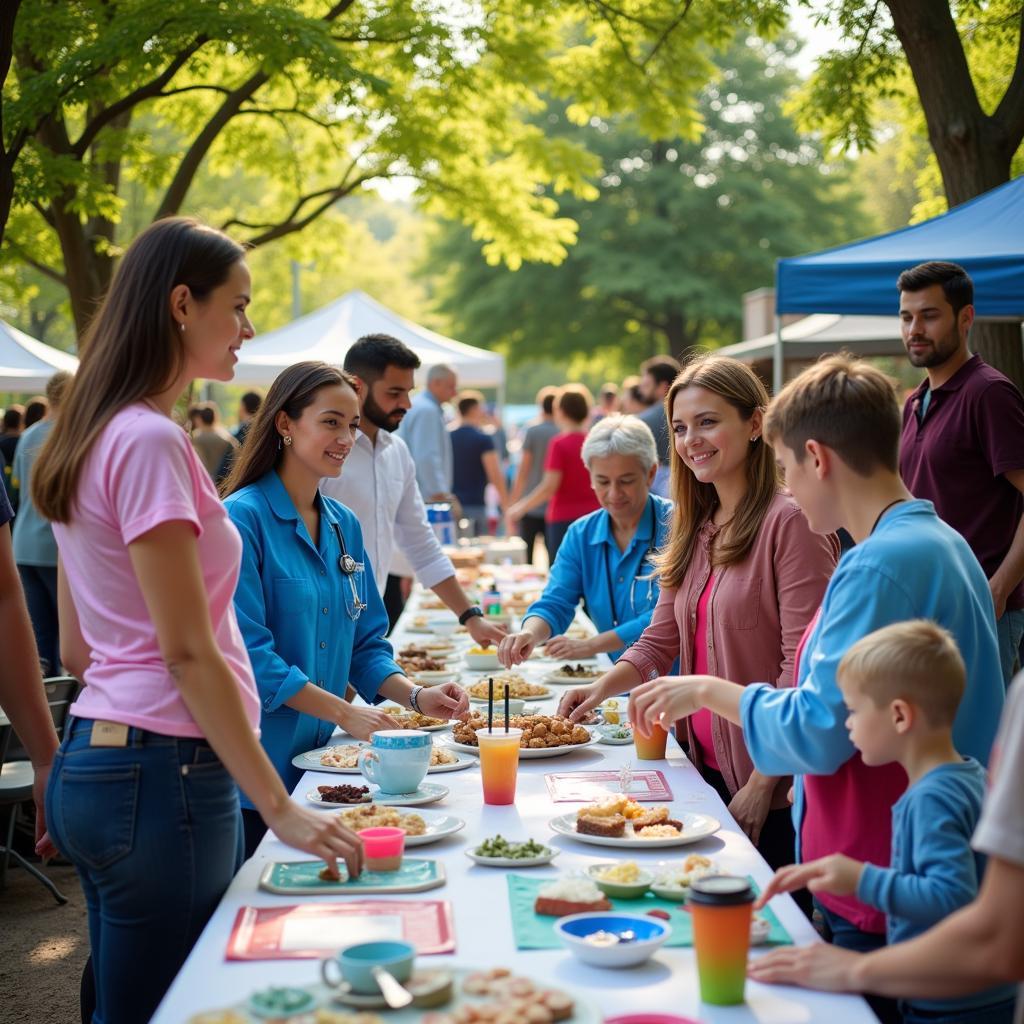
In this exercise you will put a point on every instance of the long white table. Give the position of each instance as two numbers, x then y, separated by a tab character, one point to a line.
483	930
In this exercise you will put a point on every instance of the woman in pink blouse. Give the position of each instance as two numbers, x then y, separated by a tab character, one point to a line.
741	577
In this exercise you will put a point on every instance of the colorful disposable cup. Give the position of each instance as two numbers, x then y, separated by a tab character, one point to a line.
721	908
651	747
499	763
383	847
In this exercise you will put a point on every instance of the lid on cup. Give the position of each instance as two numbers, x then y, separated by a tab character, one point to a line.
721	891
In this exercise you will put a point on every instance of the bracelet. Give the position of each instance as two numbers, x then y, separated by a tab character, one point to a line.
414	699
473	612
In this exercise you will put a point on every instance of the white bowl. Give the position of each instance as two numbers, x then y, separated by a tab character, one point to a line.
572	929
482	662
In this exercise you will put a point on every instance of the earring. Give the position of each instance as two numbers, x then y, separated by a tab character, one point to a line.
287	440
182	326
754	439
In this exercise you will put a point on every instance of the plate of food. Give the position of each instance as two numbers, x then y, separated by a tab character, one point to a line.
499	852
436	678
420	827
672	879
615	735
518	686
580	672
333	796
622	822
408	719
344	759
543	735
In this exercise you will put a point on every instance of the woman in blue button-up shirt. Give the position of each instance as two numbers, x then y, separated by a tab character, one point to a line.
307	606
605	556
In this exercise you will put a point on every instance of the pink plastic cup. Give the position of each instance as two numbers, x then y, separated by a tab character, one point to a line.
383	848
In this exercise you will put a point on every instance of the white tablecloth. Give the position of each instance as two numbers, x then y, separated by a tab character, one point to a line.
483	931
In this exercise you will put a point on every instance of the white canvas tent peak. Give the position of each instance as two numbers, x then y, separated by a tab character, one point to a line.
327	334
822	333
27	364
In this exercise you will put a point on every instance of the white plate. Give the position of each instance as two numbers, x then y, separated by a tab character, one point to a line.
438	825
436	678
531	754
499	697
428	793
514	862
557	677
695	828
611	741
310	762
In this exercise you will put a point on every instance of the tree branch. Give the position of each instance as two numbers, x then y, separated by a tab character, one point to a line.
196	153
222	89
1010	112
669	29
144	92
293	111
46	271
293	222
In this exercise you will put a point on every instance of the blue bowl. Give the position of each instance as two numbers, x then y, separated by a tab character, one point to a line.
650	933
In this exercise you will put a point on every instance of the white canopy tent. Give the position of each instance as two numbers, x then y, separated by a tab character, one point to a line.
27	364
822	333
327	334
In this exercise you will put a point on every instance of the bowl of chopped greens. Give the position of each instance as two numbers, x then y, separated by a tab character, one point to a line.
615	734
499	852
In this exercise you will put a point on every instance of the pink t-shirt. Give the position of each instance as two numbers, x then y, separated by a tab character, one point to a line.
141	472
701	720
575	497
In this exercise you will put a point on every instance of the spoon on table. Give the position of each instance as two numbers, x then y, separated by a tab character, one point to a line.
394	994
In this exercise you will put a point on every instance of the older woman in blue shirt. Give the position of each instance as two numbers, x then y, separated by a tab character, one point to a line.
605	556
308	609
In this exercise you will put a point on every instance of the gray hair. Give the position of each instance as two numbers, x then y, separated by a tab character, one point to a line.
439	371
620	435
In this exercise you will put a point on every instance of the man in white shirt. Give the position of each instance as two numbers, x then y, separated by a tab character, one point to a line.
379	481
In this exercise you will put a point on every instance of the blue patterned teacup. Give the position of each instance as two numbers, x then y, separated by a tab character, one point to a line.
397	760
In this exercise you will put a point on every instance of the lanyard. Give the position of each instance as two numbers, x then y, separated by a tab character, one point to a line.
608	572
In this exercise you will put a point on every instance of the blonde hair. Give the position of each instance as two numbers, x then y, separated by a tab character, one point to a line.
695	501
844	403
916	661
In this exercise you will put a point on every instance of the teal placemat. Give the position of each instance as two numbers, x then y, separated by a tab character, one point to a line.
533	931
415	875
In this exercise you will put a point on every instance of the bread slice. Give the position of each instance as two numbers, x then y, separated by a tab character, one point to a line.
613	827
651	816
550	907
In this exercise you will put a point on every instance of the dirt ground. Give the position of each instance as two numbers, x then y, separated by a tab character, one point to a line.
43	948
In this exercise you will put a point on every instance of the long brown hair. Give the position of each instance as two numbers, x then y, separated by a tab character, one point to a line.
695	501
292	391
131	349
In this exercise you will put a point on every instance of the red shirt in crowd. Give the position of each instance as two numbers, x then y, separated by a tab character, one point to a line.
574	497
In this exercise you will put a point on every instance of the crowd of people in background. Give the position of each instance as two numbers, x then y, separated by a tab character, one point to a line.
225	596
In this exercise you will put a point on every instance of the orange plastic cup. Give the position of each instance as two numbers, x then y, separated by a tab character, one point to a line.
721	907
652	747
499	763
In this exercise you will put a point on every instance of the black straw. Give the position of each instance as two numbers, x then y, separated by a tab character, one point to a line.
506	707
490	704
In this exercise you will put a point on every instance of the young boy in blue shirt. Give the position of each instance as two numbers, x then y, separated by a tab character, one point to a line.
902	686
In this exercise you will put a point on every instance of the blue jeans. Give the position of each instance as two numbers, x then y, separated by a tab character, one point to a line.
40	585
1009	632
154	831
994	1013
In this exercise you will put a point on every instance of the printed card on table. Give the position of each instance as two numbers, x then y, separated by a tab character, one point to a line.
310	931
644	784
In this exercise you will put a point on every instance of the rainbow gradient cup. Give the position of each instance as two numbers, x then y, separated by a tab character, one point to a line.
499	763
721	907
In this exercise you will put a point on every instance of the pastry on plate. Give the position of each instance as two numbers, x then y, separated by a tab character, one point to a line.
569	896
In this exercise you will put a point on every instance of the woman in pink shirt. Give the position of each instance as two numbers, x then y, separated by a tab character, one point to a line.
565	485
741	576
142	795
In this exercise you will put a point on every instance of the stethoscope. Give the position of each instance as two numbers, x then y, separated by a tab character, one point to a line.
349	567
651	548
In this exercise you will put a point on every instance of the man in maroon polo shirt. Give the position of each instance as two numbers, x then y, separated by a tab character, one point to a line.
962	445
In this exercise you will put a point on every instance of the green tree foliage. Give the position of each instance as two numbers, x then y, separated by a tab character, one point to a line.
320	97
681	228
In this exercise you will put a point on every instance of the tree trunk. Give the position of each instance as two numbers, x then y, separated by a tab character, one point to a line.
1000	345
8	14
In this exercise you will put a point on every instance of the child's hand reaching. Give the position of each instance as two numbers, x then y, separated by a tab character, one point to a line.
837	874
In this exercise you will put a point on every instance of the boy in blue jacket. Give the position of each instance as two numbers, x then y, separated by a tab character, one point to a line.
902	686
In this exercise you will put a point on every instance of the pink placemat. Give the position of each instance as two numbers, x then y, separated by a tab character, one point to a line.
648	785
310	930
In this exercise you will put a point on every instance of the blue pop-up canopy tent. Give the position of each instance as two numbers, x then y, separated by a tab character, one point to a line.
984	235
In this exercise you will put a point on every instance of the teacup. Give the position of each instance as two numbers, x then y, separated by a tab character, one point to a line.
355	965
397	760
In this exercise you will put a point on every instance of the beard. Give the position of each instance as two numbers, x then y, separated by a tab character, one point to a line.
388	421
938	351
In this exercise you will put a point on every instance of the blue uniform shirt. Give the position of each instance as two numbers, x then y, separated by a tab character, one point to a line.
612	582
300	617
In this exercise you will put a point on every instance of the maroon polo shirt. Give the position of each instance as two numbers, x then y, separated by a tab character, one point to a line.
972	434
